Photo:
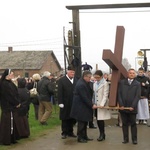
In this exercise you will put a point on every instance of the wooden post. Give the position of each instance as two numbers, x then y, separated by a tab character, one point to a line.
76	37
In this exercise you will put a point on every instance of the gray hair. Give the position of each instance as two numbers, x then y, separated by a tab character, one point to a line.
46	74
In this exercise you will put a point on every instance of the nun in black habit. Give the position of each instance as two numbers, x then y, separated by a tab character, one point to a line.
9	105
22	118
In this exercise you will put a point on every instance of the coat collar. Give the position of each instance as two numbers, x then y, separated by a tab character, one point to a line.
133	82
101	84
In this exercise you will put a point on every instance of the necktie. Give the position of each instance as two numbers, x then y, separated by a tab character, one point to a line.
130	82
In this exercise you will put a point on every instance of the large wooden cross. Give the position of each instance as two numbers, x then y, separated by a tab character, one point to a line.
114	60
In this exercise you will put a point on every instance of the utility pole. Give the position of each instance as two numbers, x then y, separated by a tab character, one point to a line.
145	62
76	40
70	49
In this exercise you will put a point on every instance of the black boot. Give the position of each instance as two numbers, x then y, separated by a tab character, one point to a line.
101	126
101	137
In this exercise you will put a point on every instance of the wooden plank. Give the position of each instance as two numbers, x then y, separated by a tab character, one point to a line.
113	108
109	6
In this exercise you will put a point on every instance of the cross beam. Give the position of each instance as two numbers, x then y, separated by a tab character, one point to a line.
115	63
109	6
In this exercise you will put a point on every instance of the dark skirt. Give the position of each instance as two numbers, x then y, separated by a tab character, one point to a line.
22	125
8	134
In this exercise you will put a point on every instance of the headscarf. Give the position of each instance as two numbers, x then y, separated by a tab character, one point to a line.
5	73
21	82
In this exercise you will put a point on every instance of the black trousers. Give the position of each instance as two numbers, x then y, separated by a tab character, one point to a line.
101	124
129	119
90	123
82	130
67	126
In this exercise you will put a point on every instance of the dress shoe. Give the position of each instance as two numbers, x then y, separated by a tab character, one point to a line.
14	142
82	141
88	139
92	127
125	141
101	137
72	135
134	141
64	136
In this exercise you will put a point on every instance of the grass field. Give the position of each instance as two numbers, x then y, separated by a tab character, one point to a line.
37	130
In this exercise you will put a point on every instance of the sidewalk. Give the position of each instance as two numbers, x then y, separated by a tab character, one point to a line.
113	141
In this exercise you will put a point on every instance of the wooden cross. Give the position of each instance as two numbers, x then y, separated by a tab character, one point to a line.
115	63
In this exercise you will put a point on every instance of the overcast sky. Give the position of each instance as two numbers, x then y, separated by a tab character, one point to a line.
38	25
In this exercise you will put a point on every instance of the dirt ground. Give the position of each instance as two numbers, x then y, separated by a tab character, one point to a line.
113	141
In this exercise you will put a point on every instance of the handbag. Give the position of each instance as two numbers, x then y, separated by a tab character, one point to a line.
34	95
33	91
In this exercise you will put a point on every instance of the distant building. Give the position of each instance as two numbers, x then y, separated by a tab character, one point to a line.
26	63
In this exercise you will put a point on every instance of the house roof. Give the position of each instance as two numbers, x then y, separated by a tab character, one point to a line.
20	59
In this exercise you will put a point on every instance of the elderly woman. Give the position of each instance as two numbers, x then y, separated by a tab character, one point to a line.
35	100
9	105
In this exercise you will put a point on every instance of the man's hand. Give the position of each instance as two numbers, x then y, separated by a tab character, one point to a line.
121	108
131	108
94	106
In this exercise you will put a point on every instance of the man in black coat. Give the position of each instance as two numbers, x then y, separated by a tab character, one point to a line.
66	86
45	90
82	106
128	96
91	124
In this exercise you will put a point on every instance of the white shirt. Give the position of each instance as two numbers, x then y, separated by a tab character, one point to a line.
71	80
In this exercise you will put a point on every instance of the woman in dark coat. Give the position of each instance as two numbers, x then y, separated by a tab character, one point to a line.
9	104
24	99
35	100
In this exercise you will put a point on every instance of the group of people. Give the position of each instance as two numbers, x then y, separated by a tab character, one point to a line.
44	98
15	100
77	98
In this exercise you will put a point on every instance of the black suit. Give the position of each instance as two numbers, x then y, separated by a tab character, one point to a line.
128	96
65	96
91	124
82	107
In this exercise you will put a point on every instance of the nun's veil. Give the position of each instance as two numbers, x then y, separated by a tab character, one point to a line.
5	73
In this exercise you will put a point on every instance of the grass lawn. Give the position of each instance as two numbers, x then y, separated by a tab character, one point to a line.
37	130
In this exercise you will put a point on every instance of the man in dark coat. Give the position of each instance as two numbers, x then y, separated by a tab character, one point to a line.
82	106
128	96
66	86
91	124
45	90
